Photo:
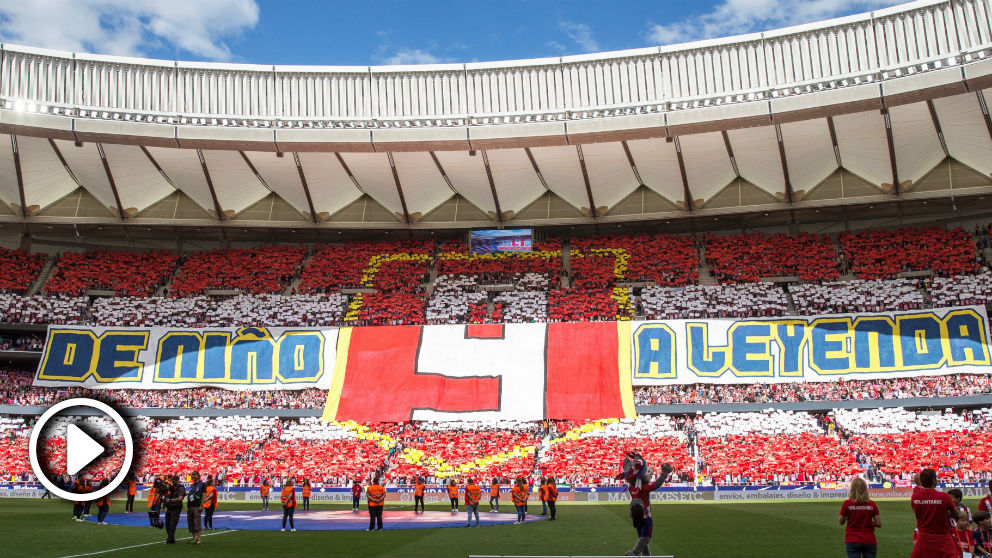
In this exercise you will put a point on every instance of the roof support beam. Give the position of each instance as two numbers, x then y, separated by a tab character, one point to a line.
492	186
892	150
210	186
306	187
789	196
985	112
399	187
537	170
585	178
20	176
110	179
689	204
833	140
630	160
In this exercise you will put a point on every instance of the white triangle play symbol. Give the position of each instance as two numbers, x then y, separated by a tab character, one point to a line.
80	449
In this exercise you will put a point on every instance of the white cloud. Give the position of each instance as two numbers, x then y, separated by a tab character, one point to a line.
733	17
411	56
580	34
128	27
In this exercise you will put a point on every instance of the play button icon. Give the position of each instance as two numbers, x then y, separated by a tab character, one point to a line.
81	448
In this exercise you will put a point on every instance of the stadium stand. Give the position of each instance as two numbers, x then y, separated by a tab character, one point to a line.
19	270
718	301
267	269
746	258
126	273
882	254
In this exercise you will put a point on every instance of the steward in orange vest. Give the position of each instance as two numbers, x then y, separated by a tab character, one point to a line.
453	496
377	500
263	491
306	494
209	504
472	496
102	505
418	495
494	495
288	499
132	491
552	496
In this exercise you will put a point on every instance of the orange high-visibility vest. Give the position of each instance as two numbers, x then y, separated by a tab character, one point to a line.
472	494
288	497
376	495
209	497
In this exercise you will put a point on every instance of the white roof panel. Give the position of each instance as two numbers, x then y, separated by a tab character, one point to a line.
918	149
331	189
281	176
707	164
237	188
758	158
423	186
9	190
139	183
376	178
658	164
88	169
610	175
468	176
45	179
809	153
182	166
964	129
561	171
517	185
864	149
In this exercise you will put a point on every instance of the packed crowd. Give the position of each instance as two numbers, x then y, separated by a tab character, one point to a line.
882	254
16	389
19	270
844	297
718	301
769	447
896	388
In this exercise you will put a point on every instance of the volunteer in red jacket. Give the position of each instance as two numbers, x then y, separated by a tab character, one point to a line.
861	516
934	510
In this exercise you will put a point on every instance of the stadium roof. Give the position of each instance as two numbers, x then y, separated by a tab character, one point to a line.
872	108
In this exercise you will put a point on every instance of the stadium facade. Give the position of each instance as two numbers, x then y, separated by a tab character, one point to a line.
876	115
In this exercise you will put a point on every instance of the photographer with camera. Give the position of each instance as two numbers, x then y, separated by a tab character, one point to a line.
173	501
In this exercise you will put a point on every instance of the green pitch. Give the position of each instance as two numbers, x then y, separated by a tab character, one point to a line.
688	530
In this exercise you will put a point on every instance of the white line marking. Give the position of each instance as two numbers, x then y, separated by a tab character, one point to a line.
145	544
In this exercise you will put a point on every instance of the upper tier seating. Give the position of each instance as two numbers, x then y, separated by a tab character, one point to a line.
267	269
19	270
881	254
746	258
127	273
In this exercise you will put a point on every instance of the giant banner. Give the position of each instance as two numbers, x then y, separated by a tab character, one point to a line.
517	371
482	372
811	348
251	358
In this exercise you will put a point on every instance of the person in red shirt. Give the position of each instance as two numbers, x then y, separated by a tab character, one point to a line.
356	496
965	538
861	516
933	510
985	504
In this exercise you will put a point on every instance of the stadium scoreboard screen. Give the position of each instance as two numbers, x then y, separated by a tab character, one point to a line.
505	240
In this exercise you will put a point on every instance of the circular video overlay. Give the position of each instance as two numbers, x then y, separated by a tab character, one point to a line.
80	449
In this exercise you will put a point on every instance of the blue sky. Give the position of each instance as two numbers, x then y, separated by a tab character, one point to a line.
314	32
